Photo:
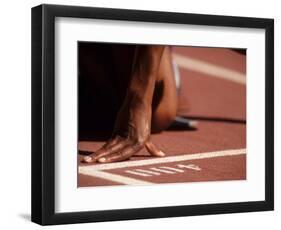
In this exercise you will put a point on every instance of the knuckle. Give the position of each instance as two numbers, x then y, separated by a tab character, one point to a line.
137	146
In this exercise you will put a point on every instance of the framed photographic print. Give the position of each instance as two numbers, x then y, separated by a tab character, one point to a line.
141	114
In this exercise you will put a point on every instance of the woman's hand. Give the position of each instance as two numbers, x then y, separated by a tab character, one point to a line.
133	123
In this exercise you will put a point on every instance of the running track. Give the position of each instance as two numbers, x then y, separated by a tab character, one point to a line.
213	92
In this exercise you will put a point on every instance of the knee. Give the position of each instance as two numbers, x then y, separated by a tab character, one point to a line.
161	120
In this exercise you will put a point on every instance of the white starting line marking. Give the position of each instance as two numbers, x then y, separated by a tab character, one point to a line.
95	170
209	69
160	160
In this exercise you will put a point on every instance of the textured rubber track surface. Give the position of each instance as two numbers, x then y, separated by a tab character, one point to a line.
219	106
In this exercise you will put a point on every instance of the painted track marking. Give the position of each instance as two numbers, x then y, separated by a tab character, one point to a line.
96	170
192	166
162	170
135	172
209	69
172	169
156	171
161	160
112	177
148	171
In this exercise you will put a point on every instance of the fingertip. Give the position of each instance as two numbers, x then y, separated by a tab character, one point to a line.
161	154
153	150
102	160
87	159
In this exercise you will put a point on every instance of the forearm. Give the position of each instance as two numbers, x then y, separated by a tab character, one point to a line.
144	73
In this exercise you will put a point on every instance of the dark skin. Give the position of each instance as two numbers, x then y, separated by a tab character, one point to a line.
147	108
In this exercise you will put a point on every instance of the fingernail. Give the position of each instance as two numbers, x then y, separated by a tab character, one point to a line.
161	154
88	159
102	160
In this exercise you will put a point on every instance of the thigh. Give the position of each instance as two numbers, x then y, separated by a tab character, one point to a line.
97	97
123	57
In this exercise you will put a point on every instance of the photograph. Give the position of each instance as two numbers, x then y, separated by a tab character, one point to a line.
153	114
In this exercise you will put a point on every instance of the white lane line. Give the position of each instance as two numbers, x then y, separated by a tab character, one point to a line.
209	69
186	157
112	177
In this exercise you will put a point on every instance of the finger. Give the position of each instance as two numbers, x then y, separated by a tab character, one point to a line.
102	150
122	155
109	150
153	150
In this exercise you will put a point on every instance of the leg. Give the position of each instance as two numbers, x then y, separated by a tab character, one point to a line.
133	123
165	99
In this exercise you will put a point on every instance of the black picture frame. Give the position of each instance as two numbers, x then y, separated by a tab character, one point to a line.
43	110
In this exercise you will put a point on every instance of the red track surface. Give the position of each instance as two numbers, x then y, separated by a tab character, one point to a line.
219	105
